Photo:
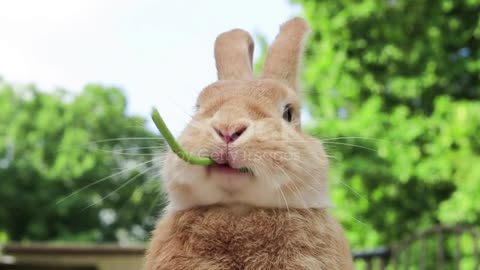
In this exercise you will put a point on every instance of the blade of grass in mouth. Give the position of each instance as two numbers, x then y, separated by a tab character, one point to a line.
177	149
167	135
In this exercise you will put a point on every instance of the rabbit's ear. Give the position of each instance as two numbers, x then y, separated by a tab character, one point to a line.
233	55
284	55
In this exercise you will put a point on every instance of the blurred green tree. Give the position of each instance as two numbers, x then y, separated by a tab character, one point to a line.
54	144
403	76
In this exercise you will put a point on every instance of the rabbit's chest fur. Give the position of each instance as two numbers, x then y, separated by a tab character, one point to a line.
219	237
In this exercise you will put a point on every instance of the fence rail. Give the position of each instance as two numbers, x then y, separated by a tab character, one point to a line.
440	247
373	259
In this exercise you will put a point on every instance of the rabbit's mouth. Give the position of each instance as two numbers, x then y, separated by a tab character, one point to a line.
224	168
227	169
226	162
229	178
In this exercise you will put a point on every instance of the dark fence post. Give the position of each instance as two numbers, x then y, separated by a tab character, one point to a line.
383	254
415	250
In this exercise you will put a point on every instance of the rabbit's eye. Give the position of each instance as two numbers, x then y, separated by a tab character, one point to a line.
287	113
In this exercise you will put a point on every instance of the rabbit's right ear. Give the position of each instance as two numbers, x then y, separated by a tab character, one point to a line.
233	55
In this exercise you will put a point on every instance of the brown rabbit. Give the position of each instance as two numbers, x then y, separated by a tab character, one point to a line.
275	216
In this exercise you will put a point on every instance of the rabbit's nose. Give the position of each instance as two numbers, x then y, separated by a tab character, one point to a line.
230	133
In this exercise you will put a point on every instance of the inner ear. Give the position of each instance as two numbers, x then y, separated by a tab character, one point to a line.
233	55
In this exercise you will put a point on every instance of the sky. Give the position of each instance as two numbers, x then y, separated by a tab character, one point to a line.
160	53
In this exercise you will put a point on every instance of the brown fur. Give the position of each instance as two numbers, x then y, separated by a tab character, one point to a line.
235	46
283	58
227	238
275	217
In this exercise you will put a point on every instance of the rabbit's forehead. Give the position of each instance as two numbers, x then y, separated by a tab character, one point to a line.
265	91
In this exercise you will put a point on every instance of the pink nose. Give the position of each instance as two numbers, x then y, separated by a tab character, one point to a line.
230	134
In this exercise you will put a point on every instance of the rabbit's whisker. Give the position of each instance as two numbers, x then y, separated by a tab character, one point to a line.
117	189
344	212
161	147
349	138
298	193
352	189
156	189
329	142
92	145
304	182
284	198
270	178
127	154
126	139
343	183
353	145
101	180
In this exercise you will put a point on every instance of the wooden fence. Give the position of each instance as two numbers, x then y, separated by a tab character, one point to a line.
439	248
73	257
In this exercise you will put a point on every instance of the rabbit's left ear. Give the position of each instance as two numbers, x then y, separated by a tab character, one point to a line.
283	58
233	55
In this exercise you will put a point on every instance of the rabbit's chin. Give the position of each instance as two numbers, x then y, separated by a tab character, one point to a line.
193	186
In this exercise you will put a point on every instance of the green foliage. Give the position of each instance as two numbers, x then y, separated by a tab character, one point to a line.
262	48
53	144
404	76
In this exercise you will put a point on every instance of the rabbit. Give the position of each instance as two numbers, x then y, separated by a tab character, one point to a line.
275	216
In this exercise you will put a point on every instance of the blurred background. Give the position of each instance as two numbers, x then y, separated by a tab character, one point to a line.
390	86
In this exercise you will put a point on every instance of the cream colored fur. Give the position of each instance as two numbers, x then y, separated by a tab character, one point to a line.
287	185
